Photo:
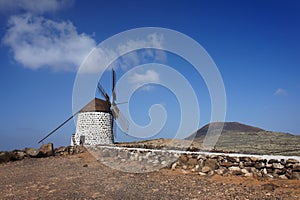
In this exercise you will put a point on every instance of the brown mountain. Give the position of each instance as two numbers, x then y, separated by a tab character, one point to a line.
227	127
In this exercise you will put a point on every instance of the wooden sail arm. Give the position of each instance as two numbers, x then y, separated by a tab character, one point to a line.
58	127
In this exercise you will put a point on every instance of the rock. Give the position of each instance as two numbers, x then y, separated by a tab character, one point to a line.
232	159
234	169
279	171
228	164
80	149
85	165
61	151
202	174
253	170
244	171
265	171
268	165
32	152
220	171
18	155
47	149
212	156
183	158
192	162
5	157
245	159
248	175
269	176
283	177
256	159
200	157
278	166
163	162
205	169
259	165
210	173
241	165
248	164
292	161
296	175
212	164
201	163
271	161
296	167
173	166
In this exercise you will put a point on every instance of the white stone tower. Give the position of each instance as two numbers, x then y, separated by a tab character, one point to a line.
94	124
95	121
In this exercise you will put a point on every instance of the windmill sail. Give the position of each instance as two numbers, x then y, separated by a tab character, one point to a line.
58	127
102	92
124	124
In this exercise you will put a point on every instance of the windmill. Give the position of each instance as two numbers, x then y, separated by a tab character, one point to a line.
96	120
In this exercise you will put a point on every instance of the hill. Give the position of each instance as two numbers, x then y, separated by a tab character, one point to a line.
241	138
235	137
227	127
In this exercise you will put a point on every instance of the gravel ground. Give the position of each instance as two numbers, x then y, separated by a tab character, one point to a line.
82	177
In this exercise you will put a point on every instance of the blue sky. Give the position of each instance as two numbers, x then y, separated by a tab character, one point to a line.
255	45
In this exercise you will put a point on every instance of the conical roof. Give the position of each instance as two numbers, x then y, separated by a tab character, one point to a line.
97	105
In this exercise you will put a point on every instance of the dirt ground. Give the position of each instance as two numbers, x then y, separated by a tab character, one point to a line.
82	177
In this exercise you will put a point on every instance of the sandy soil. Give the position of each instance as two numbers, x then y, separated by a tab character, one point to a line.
82	177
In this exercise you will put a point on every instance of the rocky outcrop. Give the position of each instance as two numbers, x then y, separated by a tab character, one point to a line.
45	150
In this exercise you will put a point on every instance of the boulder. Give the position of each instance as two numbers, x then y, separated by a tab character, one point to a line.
291	161
245	159
296	175
244	171
271	161
47	149
233	159
5	157
173	166
296	167
278	166
183	158
18	155
32	152
283	177
61	150
212	164
259	165
192	161
256	159
228	164
220	171
205	169
234	169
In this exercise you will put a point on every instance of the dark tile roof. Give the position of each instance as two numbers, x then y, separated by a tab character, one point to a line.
97	105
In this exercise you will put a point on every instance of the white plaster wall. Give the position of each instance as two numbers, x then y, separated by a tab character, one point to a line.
95	126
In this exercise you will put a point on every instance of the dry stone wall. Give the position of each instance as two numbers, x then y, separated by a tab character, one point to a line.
94	128
204	164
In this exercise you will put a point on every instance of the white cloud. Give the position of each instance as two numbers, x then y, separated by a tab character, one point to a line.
139	79
102	56
280	92
39	42
33	6
154	41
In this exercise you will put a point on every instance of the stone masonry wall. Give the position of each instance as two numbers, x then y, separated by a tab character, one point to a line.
95	127
201	163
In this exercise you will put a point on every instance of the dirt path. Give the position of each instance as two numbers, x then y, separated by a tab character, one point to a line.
82	177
